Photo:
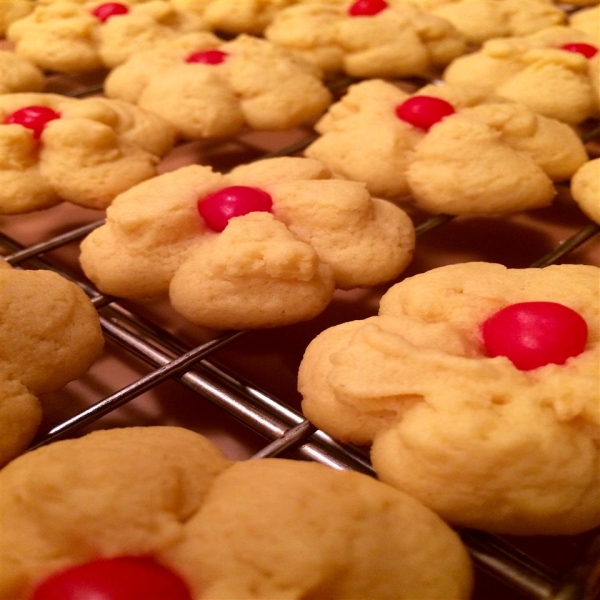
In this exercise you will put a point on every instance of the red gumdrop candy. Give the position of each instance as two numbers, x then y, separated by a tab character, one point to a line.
108	10
366	8
122	578
234	201
534	334
586	49
32	117
207	57
424	111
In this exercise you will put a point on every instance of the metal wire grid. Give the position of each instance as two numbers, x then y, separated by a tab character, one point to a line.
285	429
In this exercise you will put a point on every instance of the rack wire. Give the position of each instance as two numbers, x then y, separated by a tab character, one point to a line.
282	428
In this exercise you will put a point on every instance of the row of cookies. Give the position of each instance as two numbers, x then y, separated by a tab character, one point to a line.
94	38
379	40
207	88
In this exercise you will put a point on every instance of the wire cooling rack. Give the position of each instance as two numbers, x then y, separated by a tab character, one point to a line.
231	390
279	424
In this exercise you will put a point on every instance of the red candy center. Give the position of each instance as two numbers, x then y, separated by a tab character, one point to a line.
366	8
535	334
32	117
586	49
108	10
424	111
207	57
123	578
234	201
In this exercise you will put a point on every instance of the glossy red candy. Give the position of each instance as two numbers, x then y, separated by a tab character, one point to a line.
122	578
207	57
535	334
32	117
366	8
424	111
586	49
229	202
108	10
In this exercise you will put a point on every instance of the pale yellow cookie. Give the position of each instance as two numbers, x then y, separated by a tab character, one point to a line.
265	268
255	84
169	495
483	443
536	71
480	20
17	74
494	157
66	36
399	41
49	335
94	149
585	189
12	10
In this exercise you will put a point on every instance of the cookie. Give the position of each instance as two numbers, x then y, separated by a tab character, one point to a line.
391	39
17	74
490	424
50	334
294	235
208	88
85	151
555	71
163	498
451	151
585	189
480	20
72	37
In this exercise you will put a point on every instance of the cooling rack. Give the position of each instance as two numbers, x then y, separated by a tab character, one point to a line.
238	388
274	420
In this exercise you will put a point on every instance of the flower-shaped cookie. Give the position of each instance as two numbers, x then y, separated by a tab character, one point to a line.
129	509
555	71
451	153
12	10
371	38
17	74
208	88
262	246
72	37
480	20
585	189
49	335
84	151
478	387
